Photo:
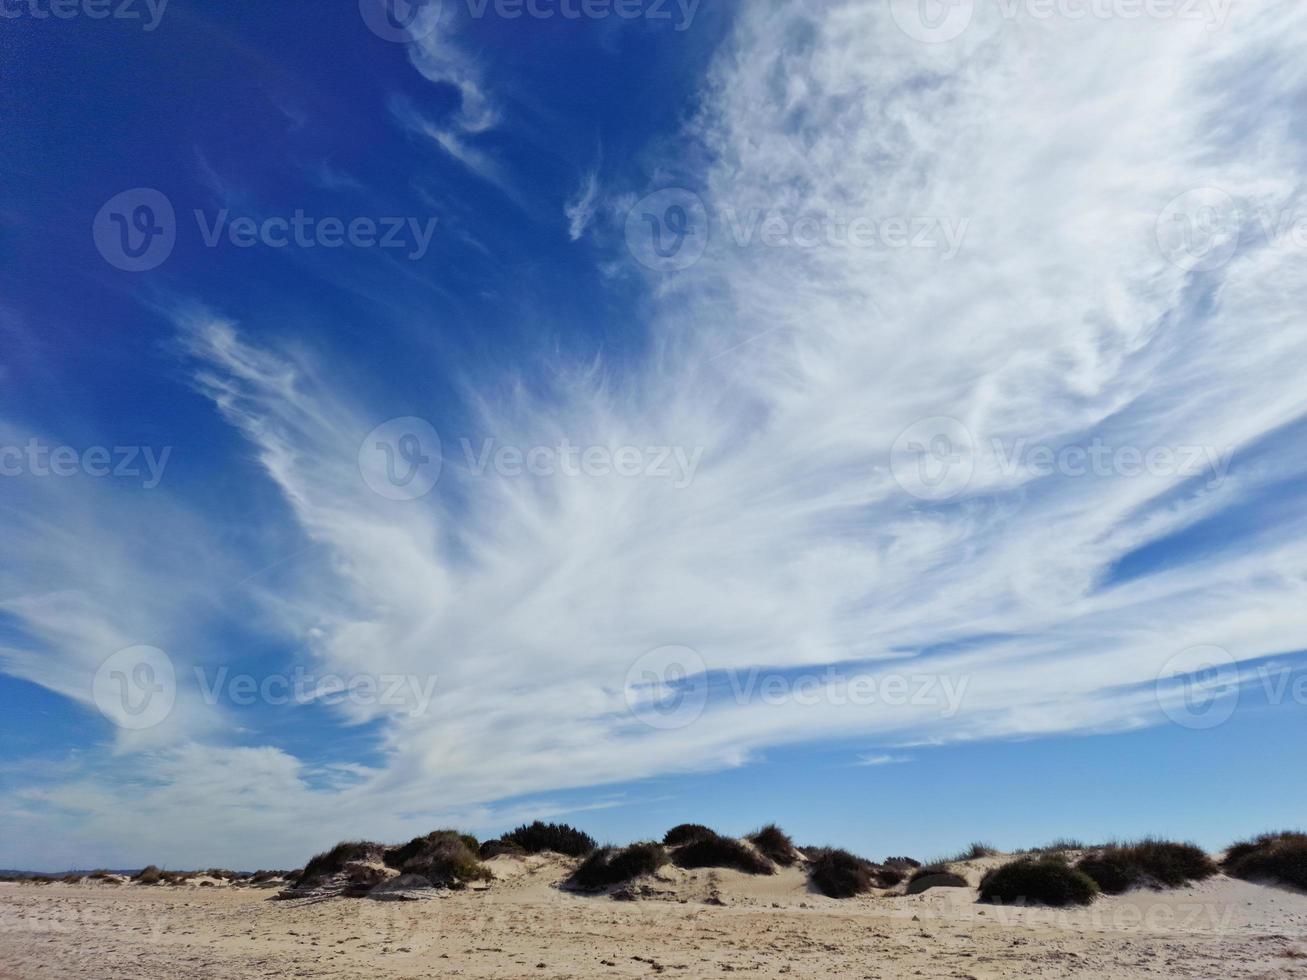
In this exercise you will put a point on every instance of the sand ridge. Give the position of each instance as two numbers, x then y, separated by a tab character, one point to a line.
524	924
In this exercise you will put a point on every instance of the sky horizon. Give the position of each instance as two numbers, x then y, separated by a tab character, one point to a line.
882	418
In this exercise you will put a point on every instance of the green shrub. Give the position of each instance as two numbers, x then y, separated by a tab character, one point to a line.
558	837
902	863
1045	881
610	866
774	844
687	833
1279	858
1151	863
1112	870
976	851
936	879
722	852
333	861
1060	845
839	874
494	848
442	857
934	868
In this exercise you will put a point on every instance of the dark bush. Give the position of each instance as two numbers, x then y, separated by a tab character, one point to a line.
333	861
1279	858
934	868
888	877
774	844
1151	863
1045	881
902	863
442	857
1112	871
150	875
839	874
722	852
936	879
558	837
687	833
610	866
1059	845
494	848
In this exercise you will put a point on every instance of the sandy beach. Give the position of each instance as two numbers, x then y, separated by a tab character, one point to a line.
524	925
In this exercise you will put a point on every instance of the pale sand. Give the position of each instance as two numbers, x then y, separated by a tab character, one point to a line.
523	926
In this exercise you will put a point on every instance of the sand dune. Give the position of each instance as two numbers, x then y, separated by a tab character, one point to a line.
702	923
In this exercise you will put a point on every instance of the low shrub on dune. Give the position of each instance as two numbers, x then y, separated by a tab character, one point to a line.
687	833
150	875
839	874
494	848
722	852
610	866
1148	863
1277	858
442	857
774	844
935	876
1043	881
333	861
902	863
558	837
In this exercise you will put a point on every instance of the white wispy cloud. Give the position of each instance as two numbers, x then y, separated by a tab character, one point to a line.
1059	321
580	209
883	760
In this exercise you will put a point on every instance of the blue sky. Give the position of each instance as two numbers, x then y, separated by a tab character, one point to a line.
724	361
